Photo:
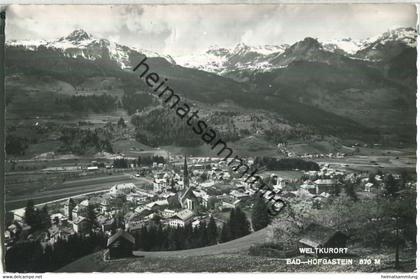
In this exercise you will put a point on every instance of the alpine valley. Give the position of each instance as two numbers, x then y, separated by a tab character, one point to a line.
315	96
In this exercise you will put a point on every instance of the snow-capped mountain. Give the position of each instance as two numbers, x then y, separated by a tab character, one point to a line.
79	43
346	45
388	44
213	60
263	58
241	56
405	37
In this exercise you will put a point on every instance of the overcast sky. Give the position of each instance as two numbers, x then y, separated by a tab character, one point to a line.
182	29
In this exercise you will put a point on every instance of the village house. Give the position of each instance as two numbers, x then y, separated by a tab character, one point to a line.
58	217
142	210
122	189
68	208
159	184
309	186
207	184
325	185
311	174
76	212
135	226
279	183
181	218
137	197
302	194
167	213
226	175
196	223
368	187
105	223
18	214
135	221
14	228
93	201
7	237
202	196
55	232
157	205
81	225
236	194
104	204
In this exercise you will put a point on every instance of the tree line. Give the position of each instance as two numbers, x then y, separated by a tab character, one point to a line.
90	103
37	218
34	256
386	220
132	101
285	164
38	256
237	226
157	237
16	145
81	141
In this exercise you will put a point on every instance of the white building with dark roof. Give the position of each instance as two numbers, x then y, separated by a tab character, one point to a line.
181	218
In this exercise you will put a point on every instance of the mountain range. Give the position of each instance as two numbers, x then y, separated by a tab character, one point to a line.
79	43
241	57
364	90
268	57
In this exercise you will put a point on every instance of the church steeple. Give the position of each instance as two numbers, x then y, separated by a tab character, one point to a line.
186	178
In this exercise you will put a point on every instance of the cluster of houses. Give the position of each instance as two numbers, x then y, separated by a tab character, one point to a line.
283	148
175	198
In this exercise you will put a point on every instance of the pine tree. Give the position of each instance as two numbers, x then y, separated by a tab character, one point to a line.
171	239
391	186
225	235
91	214
212	231
336	190
242	222
44	217
405	177
349	189
31	215
260	218
47	259
121	123
188	236
203	236
233	224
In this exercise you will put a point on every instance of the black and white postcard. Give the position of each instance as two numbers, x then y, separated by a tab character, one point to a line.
209	138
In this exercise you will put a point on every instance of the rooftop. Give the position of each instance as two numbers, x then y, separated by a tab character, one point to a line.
184	214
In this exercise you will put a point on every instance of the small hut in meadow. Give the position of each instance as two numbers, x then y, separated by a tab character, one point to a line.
120	245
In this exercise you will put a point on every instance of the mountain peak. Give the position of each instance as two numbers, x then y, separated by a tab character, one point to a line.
311	42
306	44
241	47
78	35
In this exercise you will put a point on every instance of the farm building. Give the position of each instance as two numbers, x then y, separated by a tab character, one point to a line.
318	236
120	244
